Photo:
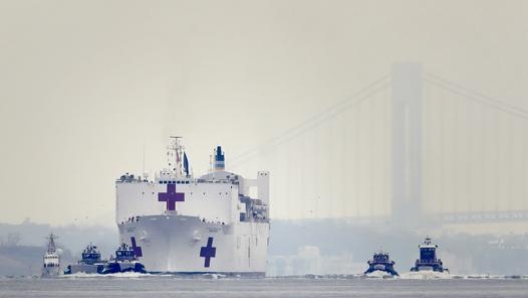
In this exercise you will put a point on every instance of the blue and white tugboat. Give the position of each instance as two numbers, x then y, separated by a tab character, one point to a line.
124	261
90	263
382	263
428	260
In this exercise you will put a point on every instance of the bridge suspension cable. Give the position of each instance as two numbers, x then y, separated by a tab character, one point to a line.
486	143
474	95
315	121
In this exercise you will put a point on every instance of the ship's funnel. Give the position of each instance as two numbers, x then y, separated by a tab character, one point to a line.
219	160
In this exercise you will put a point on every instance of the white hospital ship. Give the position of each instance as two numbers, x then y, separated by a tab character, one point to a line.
177	223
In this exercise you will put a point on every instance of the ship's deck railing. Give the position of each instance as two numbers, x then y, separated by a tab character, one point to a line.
226	181
137	179
130	178
191	181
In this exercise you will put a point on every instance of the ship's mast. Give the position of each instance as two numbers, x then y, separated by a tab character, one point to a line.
51	243
175	151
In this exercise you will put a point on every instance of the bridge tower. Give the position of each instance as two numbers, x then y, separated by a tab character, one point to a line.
406	139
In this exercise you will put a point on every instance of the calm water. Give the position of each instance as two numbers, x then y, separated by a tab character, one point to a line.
288	287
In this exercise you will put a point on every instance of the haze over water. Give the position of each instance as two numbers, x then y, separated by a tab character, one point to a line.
90	90
233	288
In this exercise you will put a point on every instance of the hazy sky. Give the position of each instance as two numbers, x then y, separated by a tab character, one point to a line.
84	85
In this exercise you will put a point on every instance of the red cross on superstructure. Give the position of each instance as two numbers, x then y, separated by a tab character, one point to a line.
171	197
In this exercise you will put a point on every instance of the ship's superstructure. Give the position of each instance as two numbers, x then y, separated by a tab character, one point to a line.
428	260
51	259
181	224
381	262
125	260
90	262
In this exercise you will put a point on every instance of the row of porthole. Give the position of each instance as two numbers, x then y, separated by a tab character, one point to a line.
174	182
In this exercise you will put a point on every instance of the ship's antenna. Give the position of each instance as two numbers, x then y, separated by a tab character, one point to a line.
175	155
144	145
51	243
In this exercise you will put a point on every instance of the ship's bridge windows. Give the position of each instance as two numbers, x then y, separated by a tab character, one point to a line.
427	253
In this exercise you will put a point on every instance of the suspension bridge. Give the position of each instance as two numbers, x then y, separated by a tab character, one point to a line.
410	145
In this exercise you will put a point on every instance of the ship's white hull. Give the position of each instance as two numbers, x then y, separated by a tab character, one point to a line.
51	264
187	245
51	272
180	224
51	269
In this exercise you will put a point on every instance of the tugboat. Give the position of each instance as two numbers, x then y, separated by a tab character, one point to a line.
124	261
381	262
90	263
428	260
51	260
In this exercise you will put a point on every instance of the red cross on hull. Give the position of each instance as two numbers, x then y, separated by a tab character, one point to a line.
171	197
